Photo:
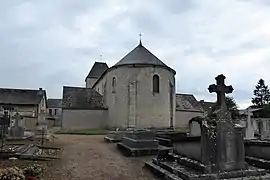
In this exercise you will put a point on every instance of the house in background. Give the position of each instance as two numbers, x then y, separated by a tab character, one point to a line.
28	102
54	112
187	107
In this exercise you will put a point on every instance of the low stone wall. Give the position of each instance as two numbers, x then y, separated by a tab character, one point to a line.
76	119
258	149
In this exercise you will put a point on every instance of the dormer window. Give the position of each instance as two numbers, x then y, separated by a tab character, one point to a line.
113	85
155	84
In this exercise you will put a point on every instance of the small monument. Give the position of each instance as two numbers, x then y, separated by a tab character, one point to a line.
4	123
194	129
138	143
249	125
16	131
224	148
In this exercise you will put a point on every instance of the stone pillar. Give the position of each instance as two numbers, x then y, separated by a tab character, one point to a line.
249	127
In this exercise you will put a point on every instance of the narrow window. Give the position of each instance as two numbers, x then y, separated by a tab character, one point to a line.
155	84
113	84
55	111
50	111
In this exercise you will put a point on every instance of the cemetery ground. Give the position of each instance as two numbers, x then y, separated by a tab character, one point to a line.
89	157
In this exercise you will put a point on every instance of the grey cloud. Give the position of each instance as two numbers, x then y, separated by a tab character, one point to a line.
49	51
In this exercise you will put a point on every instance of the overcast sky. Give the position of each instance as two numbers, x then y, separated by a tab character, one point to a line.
55	42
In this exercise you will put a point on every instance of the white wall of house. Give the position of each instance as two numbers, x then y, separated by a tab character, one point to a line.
74	119
183	117
149	110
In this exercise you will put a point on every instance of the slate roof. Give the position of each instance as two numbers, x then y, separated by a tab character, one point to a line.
54	103
82	98
141	56
187	102
21	96
97	70
206	105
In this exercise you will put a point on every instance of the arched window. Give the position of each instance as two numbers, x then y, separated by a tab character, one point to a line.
113	84
155	84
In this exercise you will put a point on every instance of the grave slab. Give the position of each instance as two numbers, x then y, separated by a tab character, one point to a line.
140	143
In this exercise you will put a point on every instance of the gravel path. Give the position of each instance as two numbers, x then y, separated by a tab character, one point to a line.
89	157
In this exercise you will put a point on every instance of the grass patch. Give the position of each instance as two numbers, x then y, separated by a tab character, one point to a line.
182	129
85	132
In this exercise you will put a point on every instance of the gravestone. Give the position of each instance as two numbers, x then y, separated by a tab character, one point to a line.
229	152
222	149
4	123
116	136
194	129
138	143
249	125
16	131
265	129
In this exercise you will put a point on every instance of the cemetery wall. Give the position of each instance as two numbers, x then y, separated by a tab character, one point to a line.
149	109
84	119
183	117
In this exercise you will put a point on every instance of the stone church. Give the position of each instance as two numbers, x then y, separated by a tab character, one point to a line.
138	91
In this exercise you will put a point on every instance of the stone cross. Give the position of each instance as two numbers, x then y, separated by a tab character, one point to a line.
221	89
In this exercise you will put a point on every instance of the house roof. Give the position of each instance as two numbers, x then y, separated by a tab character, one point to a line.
97	70
54	103
82	98
141	56
21	96
206	105
187	102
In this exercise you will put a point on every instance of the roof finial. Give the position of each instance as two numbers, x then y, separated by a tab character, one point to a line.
140	38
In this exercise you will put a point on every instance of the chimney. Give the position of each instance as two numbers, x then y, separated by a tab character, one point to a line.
40	91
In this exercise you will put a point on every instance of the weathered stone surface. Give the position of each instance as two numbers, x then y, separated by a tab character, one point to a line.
222	149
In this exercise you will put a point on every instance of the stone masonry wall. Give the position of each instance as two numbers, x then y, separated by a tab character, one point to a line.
84	119
150	109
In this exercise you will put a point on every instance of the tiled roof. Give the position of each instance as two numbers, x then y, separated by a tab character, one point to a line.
141	56
207	105
54	103
82	98
97	70
21	96
187	102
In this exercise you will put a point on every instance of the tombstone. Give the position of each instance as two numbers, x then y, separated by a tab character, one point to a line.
194	129
265	129
229	147
139	143
115	136
17	131
222	149
4	124
249	125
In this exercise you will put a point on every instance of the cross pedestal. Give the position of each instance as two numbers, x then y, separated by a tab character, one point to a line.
223	143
